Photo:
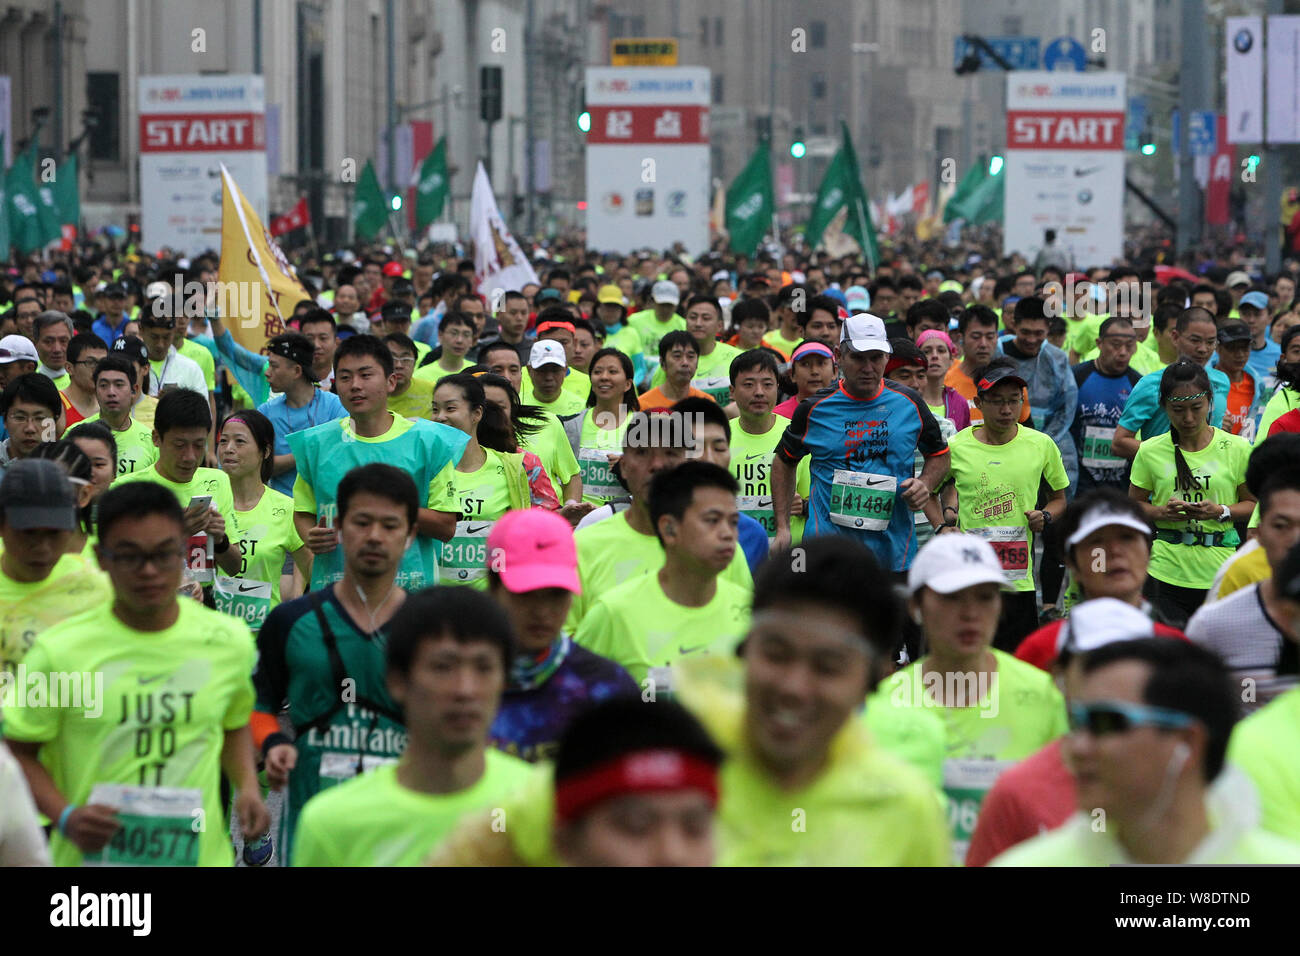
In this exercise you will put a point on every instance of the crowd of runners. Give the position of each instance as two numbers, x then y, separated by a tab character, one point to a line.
658	560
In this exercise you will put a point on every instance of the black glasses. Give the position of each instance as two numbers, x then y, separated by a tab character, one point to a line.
163	559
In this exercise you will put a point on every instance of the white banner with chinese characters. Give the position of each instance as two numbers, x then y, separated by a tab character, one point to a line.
648	158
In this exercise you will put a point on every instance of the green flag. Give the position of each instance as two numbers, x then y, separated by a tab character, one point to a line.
369	211
842	189
985	202
23	202
749	203
4	208
67	192
958	205
431	191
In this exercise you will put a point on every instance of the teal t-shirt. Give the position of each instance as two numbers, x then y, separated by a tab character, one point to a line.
1143	414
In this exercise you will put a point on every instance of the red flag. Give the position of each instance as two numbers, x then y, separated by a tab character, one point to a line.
296	218
1222	170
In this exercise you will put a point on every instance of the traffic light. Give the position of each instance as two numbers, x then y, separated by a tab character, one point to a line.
584	115
995	165
1148	139
797	146
489	91
396	202
1252	160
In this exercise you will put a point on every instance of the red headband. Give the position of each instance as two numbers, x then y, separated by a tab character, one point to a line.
645	771
554	324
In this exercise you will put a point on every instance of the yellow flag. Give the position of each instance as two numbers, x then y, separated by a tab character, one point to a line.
257	287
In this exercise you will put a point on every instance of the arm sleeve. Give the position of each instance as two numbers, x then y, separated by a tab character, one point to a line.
791	447
304	498
1054	471
271	678
240	708
442	491
1141	403
1141	473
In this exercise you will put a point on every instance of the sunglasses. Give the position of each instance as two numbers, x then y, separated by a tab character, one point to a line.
1117	717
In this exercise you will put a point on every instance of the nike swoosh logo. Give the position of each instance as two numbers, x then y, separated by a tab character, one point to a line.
248	587
1087	171
752	457
874	483
470	529
683	650
150	680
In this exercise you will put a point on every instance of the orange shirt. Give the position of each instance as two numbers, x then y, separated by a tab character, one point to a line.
1240	397
962	383
655	398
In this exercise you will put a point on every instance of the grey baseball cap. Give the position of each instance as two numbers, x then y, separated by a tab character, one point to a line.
35	493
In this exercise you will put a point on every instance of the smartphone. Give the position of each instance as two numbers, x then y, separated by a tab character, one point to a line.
201	502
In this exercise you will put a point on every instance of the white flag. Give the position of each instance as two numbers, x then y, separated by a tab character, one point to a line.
499	263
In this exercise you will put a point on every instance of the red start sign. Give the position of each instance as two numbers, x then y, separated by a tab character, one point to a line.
1048	130
201	132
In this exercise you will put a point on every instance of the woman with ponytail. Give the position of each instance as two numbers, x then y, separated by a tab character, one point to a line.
486	483
525	422
1191	483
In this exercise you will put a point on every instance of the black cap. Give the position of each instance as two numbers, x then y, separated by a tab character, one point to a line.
1234	331
115	290
395	312
133	347
403	287
996	376
36	493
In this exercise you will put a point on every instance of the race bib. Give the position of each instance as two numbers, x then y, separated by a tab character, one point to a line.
597	476
160	825
244	598
717	387
200	558
862	501
1011	543
336	766
965	783
464	557
760	509
1096	449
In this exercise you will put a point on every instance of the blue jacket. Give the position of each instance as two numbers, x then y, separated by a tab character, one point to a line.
1053	397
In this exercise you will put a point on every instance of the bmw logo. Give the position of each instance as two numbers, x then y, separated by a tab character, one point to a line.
463	575
1085	196
1243	41
859	523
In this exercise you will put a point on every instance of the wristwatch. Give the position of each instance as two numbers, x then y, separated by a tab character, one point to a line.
1226	514
1047	518
222	546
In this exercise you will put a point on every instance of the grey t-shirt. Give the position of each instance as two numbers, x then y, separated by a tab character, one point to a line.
1252	645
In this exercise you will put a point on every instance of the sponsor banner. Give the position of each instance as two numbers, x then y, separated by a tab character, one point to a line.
189	127
1245	69
1065	164
1284	79
648	174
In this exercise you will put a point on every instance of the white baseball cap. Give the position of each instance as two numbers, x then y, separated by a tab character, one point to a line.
665	292
17	348
1101	621
954	562
1102	516
547	352
865	333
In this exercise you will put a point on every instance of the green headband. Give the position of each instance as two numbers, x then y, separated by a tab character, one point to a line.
1188	398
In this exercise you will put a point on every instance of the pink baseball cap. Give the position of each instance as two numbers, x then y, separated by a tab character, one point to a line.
534	549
